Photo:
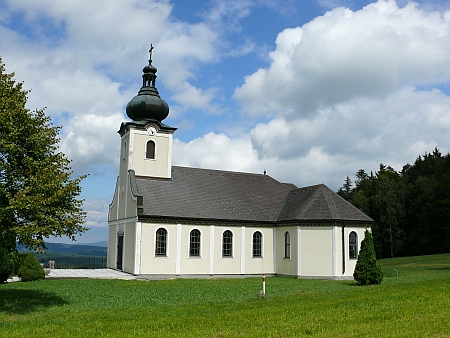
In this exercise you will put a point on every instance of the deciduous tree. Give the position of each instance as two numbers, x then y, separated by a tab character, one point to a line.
38	197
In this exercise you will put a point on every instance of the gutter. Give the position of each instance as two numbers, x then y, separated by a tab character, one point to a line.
343	247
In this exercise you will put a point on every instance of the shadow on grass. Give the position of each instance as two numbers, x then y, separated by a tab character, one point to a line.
27	301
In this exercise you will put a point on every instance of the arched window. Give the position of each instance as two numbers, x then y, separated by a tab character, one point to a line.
150	150
194	243
257	244
353	245
227	244
161	242
287	245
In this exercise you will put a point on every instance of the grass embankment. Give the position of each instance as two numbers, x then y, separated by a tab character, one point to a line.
417	305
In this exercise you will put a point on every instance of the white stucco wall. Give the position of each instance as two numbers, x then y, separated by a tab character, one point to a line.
211	261
316	251
161	165
286	266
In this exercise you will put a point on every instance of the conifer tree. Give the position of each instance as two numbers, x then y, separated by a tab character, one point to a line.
38	198
367	270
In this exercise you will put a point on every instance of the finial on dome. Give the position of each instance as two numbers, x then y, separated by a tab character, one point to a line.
150	51
148	105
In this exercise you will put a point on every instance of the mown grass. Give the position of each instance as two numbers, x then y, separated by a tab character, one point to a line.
417	305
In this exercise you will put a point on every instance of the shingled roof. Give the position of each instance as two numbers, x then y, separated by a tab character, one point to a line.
235	196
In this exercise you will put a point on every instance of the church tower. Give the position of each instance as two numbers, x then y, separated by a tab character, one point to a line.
146	142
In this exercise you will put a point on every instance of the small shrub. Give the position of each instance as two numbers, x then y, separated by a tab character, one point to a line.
6	264
30	269
367	271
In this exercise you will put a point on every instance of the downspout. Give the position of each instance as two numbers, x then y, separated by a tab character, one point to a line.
343	247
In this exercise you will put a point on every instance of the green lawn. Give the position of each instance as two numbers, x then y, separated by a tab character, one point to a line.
417	305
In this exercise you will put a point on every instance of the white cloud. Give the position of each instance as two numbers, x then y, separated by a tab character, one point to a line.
83	60
345	55
97	212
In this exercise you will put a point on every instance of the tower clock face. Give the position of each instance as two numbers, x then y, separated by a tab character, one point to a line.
151	131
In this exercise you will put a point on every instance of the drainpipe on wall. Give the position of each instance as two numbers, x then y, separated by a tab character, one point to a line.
343	247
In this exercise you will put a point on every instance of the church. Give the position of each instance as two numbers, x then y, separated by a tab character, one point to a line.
168	221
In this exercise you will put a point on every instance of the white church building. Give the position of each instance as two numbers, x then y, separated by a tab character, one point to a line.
167	221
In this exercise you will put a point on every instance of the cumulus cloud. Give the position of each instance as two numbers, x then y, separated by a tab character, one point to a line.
358	87
97	215
344	55
83	60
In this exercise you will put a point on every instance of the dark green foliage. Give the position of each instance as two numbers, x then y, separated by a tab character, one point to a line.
6	264
367	271
31	270
346	190
38	198
411	208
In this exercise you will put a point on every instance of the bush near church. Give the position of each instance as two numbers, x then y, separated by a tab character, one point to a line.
30	269
6	264
367	271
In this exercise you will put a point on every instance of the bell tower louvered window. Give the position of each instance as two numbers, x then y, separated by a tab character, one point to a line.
150	150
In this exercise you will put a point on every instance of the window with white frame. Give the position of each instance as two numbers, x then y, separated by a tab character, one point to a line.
161	242
257	244
353	245
287	245
227	244
194	243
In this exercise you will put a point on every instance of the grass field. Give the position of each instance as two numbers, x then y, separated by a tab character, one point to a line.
417	305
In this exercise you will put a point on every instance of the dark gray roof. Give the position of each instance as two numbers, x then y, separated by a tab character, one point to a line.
225	195
319	202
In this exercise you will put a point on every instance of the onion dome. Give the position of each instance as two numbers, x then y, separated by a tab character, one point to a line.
147	104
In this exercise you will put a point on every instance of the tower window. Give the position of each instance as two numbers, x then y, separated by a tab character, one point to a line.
150	150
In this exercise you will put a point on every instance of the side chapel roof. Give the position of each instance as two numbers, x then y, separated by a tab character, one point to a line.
236	196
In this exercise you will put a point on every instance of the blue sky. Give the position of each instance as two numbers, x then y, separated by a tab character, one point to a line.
310	91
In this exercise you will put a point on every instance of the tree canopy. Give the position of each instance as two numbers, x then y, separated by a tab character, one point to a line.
38	197
411	207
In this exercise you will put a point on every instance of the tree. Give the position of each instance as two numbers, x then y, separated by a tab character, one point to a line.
6	265
389	210
367	271
346	190
30	270
38	198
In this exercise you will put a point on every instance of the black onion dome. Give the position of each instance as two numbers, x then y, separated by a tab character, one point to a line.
147	104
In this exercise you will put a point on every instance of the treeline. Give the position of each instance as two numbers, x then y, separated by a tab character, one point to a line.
411	207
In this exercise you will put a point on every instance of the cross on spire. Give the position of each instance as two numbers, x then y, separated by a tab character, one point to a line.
151	51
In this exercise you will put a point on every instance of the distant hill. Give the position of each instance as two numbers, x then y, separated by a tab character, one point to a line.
91	249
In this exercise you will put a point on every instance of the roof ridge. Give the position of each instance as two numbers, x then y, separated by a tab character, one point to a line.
223	171
309	201
329	200
283	205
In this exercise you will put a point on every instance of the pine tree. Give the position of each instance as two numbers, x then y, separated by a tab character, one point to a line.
38	198
367	270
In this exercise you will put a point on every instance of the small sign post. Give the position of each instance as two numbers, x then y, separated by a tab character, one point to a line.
264	285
